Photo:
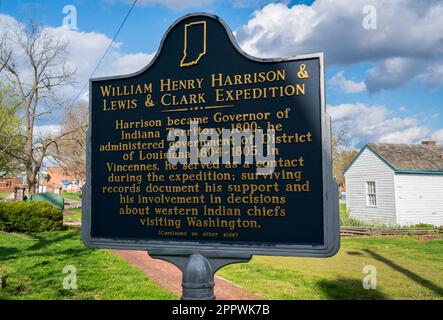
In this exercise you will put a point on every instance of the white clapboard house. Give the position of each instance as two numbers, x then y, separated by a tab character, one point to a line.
398	184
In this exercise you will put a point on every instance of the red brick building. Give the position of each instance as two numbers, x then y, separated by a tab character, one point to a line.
8	184
68	179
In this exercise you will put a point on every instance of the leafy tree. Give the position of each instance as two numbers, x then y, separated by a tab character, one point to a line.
11	131
342	154
341	163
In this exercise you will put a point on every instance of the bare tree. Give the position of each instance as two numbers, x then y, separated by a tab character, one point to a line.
34	60
6	60
70	152
342	154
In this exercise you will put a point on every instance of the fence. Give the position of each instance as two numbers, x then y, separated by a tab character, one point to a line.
380	231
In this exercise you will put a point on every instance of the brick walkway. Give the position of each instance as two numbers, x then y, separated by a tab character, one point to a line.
169	276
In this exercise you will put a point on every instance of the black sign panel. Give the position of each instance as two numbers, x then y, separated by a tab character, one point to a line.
137	197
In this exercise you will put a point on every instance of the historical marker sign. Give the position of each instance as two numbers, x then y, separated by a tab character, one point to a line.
275	198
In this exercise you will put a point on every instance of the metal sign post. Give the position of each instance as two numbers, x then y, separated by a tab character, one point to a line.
198	270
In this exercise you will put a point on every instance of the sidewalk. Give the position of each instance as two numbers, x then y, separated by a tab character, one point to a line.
11	197
70	204
169	276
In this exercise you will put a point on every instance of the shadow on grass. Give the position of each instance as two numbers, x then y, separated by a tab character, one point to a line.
411	275
42	242
354	253
7	253
348	289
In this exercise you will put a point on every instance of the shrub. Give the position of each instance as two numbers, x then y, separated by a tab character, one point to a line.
422	226
347	221
30	217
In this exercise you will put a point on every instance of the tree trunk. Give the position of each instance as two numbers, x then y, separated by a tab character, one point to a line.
30	176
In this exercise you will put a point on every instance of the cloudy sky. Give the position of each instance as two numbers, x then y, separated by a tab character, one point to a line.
384	58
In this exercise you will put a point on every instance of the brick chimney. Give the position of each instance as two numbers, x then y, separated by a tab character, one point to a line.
429	143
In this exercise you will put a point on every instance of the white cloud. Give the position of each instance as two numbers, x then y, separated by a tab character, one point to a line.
393	72
409	135
131	63
43	131
438	136
433	76
188	4
402	109
348	86
254	3
175	4
374	123
405	45
6	20
85	51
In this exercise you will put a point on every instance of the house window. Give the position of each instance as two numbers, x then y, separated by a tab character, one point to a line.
371	194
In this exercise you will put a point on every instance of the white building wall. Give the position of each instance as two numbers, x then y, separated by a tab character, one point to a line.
419	199
369	167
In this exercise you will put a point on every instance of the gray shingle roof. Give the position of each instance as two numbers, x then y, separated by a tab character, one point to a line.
410	156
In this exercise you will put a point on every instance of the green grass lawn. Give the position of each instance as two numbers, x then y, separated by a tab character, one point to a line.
4	195
343	212
407	268
76	215
34	270
72	195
